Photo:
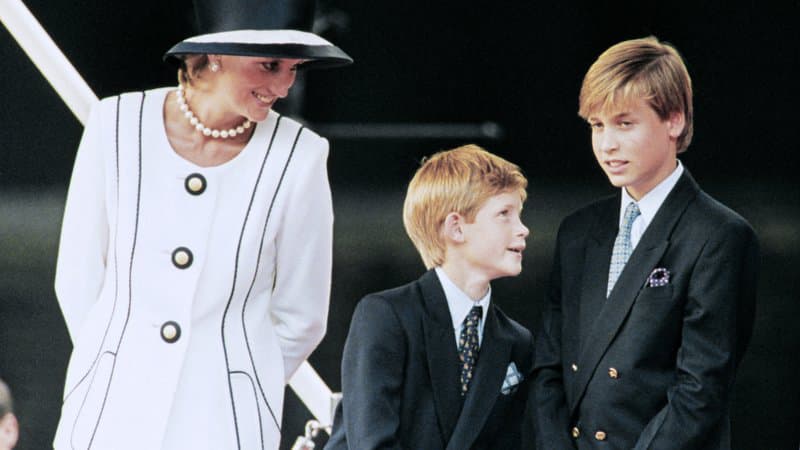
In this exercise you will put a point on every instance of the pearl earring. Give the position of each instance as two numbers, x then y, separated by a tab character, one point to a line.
214	66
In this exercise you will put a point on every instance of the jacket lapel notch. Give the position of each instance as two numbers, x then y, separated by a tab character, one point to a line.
595	274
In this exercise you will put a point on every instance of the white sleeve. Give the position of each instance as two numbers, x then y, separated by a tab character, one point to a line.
84	231
301	295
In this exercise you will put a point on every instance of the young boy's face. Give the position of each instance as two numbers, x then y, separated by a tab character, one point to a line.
494	242
634	147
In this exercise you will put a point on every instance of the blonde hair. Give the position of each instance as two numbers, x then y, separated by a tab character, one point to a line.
458	180
640	68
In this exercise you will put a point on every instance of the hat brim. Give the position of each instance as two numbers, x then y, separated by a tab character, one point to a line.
318	52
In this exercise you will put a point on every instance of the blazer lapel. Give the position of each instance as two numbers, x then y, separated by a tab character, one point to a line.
596	264
440	344
490	372
615	309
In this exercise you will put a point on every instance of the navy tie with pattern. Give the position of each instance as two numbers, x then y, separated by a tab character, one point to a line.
622	246
468	346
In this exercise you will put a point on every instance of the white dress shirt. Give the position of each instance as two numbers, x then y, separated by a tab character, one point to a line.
460	304
649	204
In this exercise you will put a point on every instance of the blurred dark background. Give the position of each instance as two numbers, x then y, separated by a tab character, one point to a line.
513	67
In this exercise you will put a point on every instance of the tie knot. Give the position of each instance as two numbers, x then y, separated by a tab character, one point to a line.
474	316
631	213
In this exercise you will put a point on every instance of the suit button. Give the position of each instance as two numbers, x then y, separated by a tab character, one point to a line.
195	184
170	332
612	372
600	435
576	432
574	367
182	257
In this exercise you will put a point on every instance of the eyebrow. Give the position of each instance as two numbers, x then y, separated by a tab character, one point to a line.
622	115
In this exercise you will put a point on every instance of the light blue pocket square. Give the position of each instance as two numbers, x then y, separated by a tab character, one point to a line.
512	381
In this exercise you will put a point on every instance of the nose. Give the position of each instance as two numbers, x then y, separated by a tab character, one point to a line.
283	82
522	230
605	141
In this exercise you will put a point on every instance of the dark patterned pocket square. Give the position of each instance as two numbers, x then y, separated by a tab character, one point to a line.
512	381
658	277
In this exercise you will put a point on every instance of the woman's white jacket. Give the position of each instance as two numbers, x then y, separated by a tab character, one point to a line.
191	294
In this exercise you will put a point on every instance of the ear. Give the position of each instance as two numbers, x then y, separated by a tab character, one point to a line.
453	227
675	124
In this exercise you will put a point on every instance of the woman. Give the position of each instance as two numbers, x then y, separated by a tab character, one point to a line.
195	255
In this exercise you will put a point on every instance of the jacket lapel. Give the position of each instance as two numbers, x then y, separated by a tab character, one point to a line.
490	372
615	309
442	355
595	270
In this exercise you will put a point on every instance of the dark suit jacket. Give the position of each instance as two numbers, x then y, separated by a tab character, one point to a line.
400	376
649	367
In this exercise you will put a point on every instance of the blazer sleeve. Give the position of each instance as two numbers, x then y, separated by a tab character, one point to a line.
717	324
300	299
547	405
372	376
83	245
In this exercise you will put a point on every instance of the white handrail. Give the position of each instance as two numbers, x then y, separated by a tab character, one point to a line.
44	53
314	393
79	97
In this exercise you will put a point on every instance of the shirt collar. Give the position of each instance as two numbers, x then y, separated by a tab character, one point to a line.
459	303
649	204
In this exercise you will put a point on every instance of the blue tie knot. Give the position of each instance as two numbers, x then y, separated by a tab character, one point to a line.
631	213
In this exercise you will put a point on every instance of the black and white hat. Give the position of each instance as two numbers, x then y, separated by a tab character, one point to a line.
272	28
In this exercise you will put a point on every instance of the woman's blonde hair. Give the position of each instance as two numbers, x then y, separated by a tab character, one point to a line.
640	68
458	180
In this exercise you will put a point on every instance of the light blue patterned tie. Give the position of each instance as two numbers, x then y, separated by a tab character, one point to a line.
468	346
622	246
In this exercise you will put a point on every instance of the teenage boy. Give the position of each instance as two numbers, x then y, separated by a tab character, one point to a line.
435	364
652	294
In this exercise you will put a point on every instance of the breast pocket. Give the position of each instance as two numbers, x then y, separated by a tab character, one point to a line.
656	305
656	293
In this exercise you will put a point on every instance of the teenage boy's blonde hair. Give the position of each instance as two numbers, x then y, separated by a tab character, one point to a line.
640	68
460	181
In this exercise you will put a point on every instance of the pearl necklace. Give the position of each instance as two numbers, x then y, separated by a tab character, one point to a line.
199	126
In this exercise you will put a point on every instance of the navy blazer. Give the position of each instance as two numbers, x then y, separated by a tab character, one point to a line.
649	367
400	376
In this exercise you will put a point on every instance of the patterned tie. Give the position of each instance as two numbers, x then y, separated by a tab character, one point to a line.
622	246
468	346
